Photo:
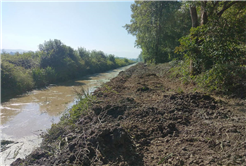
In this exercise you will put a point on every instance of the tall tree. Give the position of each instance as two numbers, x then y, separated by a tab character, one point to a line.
157	33
211	11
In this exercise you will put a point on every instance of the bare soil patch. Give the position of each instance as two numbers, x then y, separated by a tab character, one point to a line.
142	117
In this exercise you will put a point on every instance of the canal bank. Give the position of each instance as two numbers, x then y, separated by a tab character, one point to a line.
24	118
145	117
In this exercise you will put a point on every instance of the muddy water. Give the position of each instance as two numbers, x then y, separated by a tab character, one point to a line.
25	117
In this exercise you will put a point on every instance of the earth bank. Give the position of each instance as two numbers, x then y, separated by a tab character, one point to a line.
143	117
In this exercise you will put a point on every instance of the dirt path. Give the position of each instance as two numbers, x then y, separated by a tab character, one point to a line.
142	117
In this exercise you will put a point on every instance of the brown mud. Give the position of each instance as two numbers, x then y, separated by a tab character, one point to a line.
143	117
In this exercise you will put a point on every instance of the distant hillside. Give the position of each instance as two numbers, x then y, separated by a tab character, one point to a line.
13	51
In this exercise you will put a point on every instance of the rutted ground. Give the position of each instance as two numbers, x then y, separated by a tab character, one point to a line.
142	117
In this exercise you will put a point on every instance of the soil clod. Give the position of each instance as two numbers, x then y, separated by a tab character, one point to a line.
138	118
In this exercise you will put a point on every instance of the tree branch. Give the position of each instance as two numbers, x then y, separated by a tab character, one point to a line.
225	8
215	4
211	11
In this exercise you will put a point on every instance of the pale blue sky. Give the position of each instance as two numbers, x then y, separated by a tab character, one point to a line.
92	25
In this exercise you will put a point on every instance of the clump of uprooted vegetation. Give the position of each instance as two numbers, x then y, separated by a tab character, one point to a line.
142	117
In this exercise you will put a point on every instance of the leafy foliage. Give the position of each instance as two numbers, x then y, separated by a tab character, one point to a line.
222	78
219	42
43	77
217	48
54	62
212	51
15	78
157	27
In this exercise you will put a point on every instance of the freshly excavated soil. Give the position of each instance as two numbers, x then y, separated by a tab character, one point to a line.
142	117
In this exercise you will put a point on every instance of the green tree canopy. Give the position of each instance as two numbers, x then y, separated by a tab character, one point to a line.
157	27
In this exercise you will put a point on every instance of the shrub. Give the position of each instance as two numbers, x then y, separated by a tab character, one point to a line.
222	78
43	77
15	78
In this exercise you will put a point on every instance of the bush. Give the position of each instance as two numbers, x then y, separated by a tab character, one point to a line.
222	78
43	77
15	79
54	62
24	81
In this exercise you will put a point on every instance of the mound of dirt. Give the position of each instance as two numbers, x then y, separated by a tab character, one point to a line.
141	118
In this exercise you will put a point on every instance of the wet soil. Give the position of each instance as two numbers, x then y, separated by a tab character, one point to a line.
143	117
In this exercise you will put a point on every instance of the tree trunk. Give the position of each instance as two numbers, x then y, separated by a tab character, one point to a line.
158	31
193	14
204	16
194	19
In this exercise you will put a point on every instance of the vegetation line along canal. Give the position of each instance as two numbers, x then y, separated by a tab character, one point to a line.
24	118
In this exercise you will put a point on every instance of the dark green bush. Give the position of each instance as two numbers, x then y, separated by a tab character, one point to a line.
223	78
53	63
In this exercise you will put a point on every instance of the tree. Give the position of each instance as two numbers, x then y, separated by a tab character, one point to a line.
111	58
50	46
211	41
140	58
157	28
52	54
84	54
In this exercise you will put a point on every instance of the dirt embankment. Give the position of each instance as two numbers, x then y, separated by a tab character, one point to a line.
142	117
